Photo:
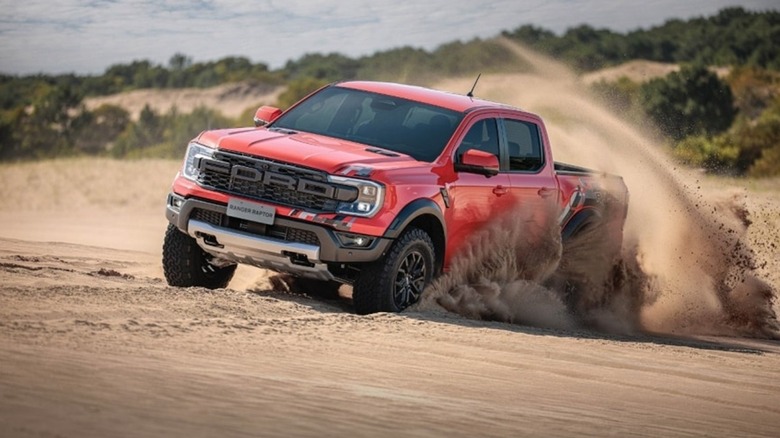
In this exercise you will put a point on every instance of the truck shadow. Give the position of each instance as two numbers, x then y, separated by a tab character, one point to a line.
737	345
314	301
343	305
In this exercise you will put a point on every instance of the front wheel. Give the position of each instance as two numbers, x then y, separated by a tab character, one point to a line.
185	264
396	281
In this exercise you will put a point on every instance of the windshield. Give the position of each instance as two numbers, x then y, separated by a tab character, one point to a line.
391	123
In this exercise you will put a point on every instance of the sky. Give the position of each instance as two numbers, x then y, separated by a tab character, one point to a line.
87	36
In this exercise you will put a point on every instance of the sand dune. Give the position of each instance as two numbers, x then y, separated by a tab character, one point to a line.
229	99
93	343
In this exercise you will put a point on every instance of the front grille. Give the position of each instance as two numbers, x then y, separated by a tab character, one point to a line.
298	235
222	178
212	217
288	234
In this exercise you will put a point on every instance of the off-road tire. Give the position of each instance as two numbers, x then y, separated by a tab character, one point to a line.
185	264
396	281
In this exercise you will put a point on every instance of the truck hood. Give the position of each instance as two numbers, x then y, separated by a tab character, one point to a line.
310	150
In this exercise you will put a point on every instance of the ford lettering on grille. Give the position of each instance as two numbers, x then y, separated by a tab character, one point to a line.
272	181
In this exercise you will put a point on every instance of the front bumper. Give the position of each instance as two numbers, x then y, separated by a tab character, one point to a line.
288	246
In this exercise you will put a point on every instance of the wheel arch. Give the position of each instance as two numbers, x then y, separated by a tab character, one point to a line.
580	222
426	215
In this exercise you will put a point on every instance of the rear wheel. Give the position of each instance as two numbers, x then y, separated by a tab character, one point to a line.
185	264
396	282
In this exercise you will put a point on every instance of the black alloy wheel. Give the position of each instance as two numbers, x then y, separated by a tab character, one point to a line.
410	280
396	281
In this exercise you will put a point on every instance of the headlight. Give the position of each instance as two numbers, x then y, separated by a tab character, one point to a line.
369	198
191	167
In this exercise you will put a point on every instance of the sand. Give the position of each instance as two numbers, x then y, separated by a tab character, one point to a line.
232	100
93	343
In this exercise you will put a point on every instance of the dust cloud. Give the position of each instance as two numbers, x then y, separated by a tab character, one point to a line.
685	266
499	275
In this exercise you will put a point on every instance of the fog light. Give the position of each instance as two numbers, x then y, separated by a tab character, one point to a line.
176	202
354	240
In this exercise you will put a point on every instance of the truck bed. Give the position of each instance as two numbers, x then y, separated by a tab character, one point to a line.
563	168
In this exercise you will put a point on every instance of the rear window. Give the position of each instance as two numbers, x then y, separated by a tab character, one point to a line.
524	146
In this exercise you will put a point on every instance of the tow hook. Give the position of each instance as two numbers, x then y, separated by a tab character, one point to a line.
210	240
298	259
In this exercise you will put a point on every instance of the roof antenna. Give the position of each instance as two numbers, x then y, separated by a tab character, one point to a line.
471	93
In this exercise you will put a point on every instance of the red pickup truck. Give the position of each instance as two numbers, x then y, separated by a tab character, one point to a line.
376	185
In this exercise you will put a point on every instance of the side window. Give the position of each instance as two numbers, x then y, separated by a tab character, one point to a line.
524	145
482	136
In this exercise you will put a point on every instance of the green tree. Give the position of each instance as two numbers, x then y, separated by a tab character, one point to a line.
45	127
733	36
748	147
328	68
622	96
475	56
97	130
754	89
179	62
768	164
406	64
147	131
180	128
298	89
715	154
692	101
181	71
760	143
167	135
533	36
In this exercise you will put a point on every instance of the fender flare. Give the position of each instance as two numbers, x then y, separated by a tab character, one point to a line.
578	222
412	211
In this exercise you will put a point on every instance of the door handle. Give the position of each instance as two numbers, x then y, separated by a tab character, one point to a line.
546	192
500	190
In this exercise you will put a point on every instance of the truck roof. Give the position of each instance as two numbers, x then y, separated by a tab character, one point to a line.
443	99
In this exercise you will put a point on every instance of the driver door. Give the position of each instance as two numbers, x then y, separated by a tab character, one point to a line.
475	198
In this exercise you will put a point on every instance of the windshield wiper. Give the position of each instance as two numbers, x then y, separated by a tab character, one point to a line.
282	130
382	152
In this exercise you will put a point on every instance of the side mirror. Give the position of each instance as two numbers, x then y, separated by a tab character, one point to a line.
476	161
266	114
